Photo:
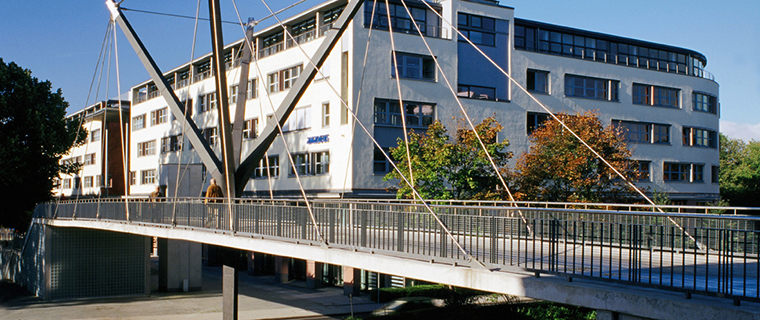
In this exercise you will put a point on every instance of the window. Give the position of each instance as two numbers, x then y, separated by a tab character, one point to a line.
476	92
233	94
171	143
211	135
95	135
132	178
270	164
147	148
89	159
67	183
300	119
206	102
188	107
380	164
695	137
413	66
705	102
99	181
418	114
88	182
314	163
715	174
251	129
536	120
159	116
251	92
683	172
644	132
283	79
399	19
655	96
148	176
325	114
77	183
591	88
479	29
538	81
644	170
138	122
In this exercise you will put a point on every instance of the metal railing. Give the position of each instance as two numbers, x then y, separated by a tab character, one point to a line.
700	253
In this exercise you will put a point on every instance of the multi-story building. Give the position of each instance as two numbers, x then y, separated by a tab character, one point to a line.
100	156
661	94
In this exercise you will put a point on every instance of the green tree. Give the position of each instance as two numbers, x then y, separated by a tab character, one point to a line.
34	134
739	171
446	168
558	167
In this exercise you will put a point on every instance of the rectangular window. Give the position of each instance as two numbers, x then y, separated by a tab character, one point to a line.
95	135
649	95
207	102
251	92
132	178
233	94
67	183
715	174
321	161
314	163
88	182
538	81
644	170
476	92
300	164
661	133
99	181
400	21
187	105
380	164
77	183
413	66
283	79
148	176
536	120
479	29
325	114
251	129
705	102
171	143
418	114
211	135
683	172
644	132
268	167
696	137
300	119
138	122
159	116
147	148
89	159
591	88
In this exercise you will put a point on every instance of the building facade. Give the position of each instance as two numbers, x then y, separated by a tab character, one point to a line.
661	94
100	156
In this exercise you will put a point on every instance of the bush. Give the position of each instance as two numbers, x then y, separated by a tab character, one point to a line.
451	296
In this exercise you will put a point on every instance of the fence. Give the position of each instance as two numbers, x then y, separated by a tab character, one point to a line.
701	253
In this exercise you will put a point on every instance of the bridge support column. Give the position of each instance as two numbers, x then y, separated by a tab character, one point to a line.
351	280
281	269
229	293
313	274
179	265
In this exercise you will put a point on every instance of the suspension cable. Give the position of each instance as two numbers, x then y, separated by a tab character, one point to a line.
403	177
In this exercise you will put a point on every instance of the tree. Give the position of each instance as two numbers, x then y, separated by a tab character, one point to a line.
558	167
34	134
445	168
739	171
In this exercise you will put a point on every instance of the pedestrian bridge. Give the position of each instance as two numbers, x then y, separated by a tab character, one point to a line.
698	263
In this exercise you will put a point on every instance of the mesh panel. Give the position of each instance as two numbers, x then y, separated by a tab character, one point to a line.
93	263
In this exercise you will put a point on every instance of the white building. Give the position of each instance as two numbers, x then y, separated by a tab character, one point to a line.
662	94
101	156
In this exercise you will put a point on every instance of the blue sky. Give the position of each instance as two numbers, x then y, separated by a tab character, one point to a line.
60	40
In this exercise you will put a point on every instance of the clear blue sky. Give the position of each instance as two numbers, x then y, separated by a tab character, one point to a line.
60	40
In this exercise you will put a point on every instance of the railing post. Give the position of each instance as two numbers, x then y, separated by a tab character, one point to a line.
400	231
363	223
443	250
494	250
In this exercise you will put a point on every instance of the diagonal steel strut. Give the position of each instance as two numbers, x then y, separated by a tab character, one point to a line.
262	144
213	165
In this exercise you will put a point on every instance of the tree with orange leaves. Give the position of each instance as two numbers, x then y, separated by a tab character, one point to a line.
558	167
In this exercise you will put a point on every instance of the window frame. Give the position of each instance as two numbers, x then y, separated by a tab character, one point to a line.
532	81
610	88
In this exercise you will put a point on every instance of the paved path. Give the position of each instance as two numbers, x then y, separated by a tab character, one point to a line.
259	298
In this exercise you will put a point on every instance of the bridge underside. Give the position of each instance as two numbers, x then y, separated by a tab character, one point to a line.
609	298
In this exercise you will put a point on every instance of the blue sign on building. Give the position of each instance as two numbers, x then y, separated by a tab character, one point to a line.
318	139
